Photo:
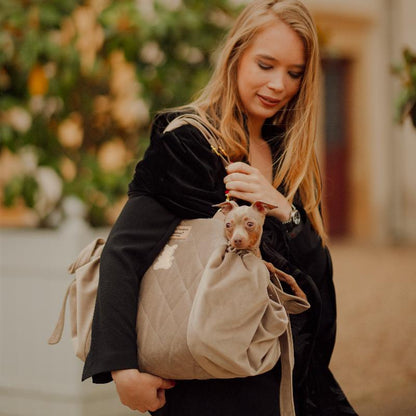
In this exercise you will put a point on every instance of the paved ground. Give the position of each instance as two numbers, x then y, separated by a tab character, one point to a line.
374	358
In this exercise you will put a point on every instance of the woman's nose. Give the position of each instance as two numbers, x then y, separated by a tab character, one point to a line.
277	83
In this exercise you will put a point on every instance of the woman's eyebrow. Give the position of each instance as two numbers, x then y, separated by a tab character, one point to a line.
265	56
273	59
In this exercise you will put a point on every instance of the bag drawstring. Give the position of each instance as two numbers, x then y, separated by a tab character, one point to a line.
57	332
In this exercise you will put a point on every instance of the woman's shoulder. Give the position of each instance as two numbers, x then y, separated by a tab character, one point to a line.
168	120
179	128
162	120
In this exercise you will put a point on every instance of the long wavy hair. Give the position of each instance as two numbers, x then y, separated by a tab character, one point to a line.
220	107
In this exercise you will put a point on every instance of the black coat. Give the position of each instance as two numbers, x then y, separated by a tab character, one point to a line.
180	177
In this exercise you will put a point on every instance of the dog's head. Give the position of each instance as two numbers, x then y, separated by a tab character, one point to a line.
244	224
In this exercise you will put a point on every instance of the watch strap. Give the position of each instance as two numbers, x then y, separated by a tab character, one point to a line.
292	212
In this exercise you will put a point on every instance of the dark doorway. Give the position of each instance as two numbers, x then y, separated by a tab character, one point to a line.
336	184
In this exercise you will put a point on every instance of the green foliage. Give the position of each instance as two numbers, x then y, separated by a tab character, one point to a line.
77	76
406	100
25	186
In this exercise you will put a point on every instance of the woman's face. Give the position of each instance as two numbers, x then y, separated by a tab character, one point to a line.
270	72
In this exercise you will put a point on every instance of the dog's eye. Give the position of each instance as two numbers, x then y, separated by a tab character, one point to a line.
228	225
250	224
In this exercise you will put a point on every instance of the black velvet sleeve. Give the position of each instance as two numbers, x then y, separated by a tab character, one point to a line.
317	392
136	238
185	174
307	252
179	177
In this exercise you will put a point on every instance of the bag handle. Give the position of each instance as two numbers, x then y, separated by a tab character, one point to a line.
197	122
86	254
293	304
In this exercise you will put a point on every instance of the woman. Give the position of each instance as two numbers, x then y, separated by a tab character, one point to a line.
261	103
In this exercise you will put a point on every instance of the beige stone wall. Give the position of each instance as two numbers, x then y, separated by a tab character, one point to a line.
404	34
382	171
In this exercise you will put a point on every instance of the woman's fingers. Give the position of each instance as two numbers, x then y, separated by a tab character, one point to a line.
247	183
161	397
241	177
240	167
244	172
166	384
141	391
240	185
240	173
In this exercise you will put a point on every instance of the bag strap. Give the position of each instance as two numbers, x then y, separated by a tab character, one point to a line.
57	332
287	406
92	250
293	305
197	122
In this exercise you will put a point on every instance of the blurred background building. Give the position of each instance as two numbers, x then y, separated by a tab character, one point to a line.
79	84
368	158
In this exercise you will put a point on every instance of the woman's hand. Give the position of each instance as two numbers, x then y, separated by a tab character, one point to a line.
247	183
141	391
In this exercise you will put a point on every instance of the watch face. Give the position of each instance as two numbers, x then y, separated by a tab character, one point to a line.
296	217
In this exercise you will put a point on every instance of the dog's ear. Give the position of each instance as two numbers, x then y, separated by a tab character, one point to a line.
226	206
263	207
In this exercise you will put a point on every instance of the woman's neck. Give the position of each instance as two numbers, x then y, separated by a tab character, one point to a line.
260	155
254	130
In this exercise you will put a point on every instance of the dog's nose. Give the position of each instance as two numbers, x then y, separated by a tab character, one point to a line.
238	242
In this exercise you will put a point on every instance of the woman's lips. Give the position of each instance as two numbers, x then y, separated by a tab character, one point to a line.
268	101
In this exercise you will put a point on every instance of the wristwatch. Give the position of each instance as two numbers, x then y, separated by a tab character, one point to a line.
294	217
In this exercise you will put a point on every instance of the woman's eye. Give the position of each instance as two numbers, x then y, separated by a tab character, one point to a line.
264	66
296	75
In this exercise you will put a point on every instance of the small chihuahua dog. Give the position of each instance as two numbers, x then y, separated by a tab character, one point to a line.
243	230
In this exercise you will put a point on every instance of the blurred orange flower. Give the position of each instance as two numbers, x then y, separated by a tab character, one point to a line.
37	82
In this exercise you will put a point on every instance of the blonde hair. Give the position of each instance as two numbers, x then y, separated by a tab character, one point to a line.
220	107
